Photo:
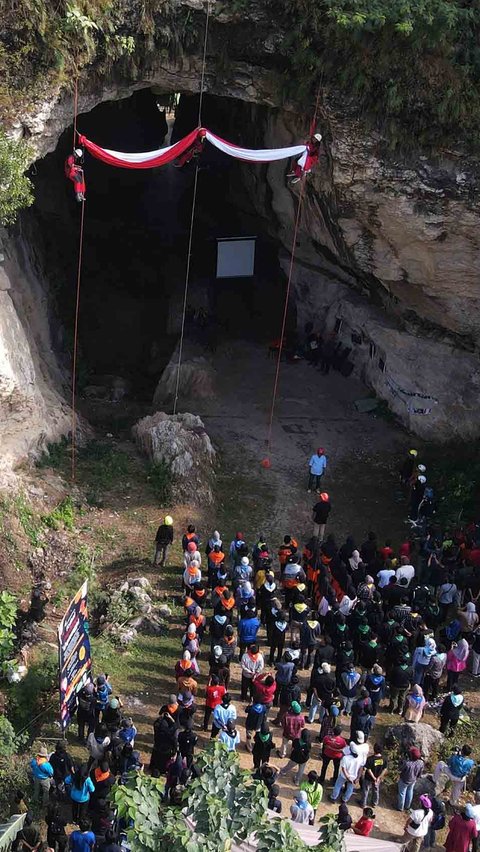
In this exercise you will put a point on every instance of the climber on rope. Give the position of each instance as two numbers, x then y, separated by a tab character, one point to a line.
310	158
194	151
74	172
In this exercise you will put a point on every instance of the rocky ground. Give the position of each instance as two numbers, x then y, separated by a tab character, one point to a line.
119	530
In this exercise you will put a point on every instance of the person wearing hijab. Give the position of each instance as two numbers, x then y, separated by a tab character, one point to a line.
421	659
301	811
450	711
354	562
414	704
456	661
468	619
343	817
346	605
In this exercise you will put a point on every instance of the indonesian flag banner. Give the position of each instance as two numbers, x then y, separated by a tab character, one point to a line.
152	159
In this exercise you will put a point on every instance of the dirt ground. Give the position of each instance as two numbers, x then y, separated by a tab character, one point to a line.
312	410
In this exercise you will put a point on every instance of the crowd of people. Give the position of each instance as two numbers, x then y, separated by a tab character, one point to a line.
305	646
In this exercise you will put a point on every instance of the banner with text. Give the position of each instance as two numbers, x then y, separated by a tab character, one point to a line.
74	654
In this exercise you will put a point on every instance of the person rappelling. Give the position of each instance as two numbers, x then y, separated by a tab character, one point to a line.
194	151
74	172
308	160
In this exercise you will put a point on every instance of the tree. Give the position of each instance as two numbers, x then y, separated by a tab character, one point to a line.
15	186
224	804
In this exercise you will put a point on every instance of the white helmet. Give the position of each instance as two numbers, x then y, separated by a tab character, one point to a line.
78	152
244	560
317	136
422	468
422	479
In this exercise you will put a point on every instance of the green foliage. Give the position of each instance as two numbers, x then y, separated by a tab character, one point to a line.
161	482
15	186
13	776
8	741
225	805
8	617
33	695
62	515
140	799
454	471
29	523
331	836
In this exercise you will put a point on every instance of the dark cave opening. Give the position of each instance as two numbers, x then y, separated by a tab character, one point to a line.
136	237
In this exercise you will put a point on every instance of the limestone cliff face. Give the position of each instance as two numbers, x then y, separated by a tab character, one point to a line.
391	248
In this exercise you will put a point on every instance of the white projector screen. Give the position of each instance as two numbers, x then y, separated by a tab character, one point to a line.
235	257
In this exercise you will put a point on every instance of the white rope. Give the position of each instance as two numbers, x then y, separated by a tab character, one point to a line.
192	219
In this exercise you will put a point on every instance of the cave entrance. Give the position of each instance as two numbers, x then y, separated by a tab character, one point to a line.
136	235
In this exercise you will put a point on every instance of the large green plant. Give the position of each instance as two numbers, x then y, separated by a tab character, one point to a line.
224	804
15	186
8	617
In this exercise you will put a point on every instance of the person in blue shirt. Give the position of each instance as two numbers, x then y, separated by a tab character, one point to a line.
80	788
42	774
456	769
222	714
82	840
248	627
317	466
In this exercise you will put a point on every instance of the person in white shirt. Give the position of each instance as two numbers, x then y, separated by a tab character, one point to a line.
417	825
363	748
301	811
350	768
406	570
229	736
475	810
383	577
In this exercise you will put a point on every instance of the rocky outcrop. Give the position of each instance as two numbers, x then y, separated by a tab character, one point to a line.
422	736
33	408
181	443
196	381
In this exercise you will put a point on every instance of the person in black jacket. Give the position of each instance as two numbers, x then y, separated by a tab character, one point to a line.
321	511
163	540
310	633
187	740
262	745
401	676
450	711
164	742
86	711
63	765
278	632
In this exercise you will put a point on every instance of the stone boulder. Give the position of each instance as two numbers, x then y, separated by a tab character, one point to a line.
197	378
181	443
421	735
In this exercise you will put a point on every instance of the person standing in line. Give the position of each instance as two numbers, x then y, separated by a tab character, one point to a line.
410	771
321	511
42	774
317	467
163	540
462	832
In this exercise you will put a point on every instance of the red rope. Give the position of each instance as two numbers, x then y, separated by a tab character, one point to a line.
77	298
285	312
266	461
75	339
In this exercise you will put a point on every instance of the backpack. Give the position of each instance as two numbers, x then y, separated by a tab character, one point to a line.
452	630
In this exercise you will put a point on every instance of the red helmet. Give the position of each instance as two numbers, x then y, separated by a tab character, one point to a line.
324	497
321	451
191	547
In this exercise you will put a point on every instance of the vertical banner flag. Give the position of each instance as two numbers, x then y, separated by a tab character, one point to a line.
74	654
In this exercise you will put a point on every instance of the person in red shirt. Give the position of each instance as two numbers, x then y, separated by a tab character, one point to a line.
365	823
264	687
293	722
386	552
461	831
214	695
332	751
405	549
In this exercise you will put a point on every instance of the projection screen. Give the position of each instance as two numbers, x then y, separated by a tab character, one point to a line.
235	257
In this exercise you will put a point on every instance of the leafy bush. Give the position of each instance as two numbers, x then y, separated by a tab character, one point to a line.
8	617
33	695
13	776
29	523
62	515
15	186
225	804
160	479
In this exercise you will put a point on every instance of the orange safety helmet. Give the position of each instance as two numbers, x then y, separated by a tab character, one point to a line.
324	497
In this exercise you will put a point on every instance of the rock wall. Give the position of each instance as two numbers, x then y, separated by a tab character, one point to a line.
388	252
389	246
33	409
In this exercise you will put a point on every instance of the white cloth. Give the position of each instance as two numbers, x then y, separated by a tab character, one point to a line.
405	571
383	577
228	740
363	751
476	816
423	821
261	155
301	815
351	765
447	593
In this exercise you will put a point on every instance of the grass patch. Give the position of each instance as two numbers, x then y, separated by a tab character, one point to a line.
34	696
161	482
